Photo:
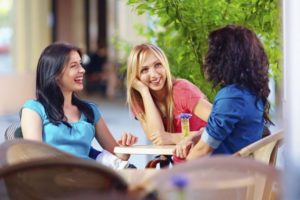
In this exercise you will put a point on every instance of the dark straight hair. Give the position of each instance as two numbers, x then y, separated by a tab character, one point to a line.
50	65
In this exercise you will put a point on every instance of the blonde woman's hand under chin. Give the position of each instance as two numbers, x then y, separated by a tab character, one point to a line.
139	86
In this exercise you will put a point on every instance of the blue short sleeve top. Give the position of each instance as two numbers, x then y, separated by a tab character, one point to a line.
76	139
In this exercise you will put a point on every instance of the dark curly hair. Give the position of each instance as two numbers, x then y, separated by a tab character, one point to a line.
236	56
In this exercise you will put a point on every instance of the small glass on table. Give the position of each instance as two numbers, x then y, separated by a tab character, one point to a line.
185	123
185	130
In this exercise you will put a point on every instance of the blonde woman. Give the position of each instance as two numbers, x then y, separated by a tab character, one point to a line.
156	99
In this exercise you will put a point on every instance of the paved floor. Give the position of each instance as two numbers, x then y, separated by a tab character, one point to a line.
116	116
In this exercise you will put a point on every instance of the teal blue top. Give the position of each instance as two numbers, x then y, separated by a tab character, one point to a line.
75	140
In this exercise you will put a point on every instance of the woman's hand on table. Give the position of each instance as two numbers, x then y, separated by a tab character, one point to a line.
166	138
127	139
183	148
162	138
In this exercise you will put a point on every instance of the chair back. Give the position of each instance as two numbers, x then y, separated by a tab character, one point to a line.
13	131
264	150
35	170
215	178
58	179
19	150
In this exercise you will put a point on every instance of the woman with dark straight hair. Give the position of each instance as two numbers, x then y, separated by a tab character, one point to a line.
57	116
236	61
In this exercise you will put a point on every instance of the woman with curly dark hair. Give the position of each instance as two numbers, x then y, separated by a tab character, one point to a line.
236	61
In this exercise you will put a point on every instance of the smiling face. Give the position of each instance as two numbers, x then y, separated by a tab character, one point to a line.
152	73
71	78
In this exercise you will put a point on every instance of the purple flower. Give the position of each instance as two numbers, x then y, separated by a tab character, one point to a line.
179	181
184	115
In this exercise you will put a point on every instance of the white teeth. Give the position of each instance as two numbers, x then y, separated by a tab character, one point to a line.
78	79
155	81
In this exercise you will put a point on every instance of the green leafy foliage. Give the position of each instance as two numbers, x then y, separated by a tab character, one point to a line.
181	27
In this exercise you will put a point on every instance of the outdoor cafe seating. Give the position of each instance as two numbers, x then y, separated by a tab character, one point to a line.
34	170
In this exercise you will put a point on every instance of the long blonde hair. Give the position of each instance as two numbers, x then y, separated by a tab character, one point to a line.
134	99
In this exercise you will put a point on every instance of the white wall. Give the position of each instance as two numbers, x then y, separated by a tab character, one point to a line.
15	89
291	98
121	22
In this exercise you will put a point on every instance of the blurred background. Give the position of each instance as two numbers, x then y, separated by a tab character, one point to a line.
27	27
